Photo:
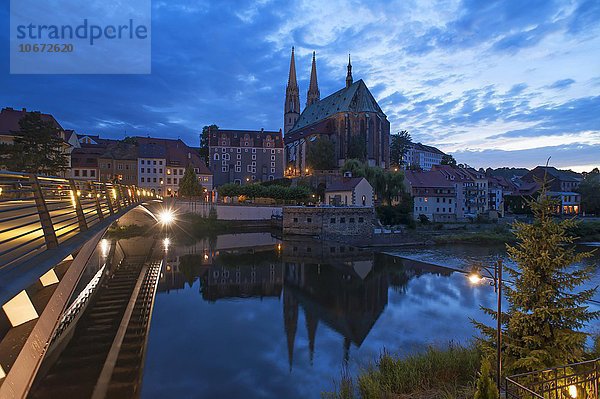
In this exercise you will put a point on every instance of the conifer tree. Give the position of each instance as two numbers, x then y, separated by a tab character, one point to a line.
189	186
547	307
486	388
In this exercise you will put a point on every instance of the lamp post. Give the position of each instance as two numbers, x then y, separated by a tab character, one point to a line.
475	277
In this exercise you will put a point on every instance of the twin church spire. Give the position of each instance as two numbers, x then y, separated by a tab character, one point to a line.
313	94
291	111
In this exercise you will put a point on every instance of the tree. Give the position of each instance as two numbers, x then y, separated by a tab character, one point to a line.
357	147
399	145
37	147
189	186
354	166
547	310
229	190
386	184
448	159
394	185
321	154
204	140
486	389
589	189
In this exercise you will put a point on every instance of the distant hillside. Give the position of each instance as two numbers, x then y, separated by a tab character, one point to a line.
506	172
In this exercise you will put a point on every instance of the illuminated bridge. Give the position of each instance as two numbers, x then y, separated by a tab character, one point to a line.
73	304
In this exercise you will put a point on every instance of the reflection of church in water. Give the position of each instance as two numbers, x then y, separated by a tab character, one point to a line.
346	295
332	284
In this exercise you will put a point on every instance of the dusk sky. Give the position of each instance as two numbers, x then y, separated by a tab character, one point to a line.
506	83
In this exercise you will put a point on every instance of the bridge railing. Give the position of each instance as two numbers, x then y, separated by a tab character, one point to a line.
40	212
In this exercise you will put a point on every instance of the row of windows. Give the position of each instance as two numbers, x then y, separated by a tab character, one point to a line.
239	150
84	173
437	210
120	166
444	200
149	170
149	162
333	220
239	156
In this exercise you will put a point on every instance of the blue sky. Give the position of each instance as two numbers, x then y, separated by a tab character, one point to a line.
505	83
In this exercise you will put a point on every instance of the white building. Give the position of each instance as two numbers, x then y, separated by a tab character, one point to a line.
422	156
349	191
152	162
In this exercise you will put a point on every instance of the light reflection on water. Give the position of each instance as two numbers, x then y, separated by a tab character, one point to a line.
239	317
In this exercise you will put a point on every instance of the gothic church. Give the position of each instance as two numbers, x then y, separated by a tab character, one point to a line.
350	117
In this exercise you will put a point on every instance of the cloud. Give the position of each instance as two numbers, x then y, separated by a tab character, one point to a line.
466	75
561	84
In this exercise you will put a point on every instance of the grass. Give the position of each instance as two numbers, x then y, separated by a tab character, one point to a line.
436	373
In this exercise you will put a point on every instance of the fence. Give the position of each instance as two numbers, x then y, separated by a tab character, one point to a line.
41	212
579	380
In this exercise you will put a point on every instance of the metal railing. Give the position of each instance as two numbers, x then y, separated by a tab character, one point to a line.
41	212
579	380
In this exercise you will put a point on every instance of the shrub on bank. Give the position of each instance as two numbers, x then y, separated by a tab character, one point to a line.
437	373
275	191
393	215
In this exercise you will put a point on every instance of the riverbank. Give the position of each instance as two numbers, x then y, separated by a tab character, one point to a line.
586	231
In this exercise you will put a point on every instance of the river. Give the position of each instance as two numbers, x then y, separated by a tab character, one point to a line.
249	316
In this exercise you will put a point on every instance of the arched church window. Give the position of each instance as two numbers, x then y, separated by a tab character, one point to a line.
216	157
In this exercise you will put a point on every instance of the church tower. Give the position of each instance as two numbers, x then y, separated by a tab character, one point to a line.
291	111
313	95
349	75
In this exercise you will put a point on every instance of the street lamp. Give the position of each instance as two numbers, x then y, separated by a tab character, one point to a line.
475	277
166	217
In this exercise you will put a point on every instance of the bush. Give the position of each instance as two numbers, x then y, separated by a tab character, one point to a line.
485	386
423	219
436	373
393	215
274	191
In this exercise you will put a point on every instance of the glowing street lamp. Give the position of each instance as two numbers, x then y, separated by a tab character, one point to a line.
573	391
475	277
166	217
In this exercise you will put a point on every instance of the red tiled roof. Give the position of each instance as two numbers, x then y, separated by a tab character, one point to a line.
428	179
9	120
177	153
235	136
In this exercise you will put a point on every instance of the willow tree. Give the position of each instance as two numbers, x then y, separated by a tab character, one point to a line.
548	309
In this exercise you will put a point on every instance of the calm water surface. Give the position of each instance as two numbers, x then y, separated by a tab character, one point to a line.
247	316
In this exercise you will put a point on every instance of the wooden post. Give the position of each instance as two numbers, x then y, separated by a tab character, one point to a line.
97	201
108	200
42	208
77	204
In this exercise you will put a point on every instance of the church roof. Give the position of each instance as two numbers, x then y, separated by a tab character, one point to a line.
355	98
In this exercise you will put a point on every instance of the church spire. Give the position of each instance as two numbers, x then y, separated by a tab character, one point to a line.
290	323
292	76
291	110
313	94
349	75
